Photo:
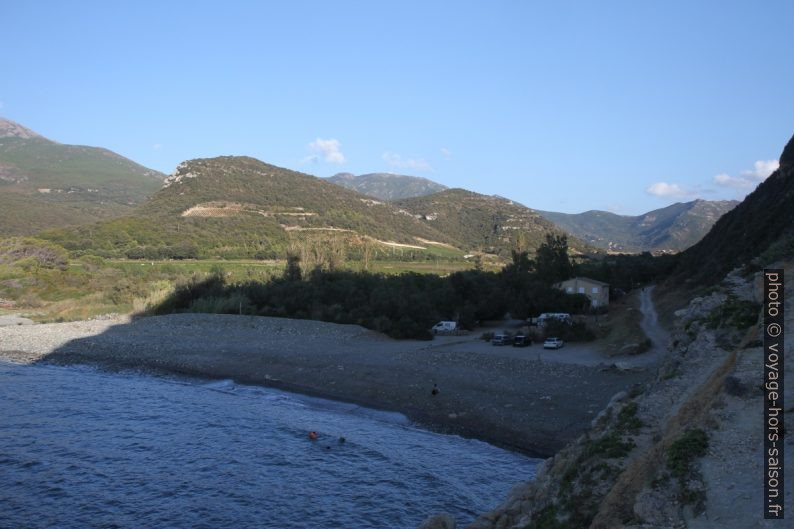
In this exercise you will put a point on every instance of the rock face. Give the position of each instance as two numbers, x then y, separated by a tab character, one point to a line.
637	468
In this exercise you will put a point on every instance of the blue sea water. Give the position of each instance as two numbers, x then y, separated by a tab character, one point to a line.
83	448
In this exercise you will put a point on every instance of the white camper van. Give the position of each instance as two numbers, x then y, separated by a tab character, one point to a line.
563	317
444	326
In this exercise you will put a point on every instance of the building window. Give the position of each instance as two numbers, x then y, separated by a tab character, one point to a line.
595	290
569	290
581	290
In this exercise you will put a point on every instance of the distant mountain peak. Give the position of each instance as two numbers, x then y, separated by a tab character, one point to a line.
387	186
12	129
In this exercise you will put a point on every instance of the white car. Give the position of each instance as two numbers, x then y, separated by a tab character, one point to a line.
553	343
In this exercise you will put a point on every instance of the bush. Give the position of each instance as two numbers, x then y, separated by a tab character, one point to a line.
233	304
610	446
737	313
628	420
692	444
570	332
29	253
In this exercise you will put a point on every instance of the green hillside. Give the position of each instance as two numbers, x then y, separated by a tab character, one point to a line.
673	228
47	184
490	224
387	186
235	207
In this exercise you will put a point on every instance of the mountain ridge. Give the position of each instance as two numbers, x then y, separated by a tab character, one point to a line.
387	186
671	228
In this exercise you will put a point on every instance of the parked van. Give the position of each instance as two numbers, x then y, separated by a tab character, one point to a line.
563	317
444	326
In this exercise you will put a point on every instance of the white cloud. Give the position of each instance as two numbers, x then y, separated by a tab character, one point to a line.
328	150
1	104
446	153
750	178
395	160
157	146
665	190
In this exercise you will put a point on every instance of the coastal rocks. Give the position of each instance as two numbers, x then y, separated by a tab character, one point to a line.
439	521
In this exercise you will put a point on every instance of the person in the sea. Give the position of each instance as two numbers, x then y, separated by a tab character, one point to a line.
434	391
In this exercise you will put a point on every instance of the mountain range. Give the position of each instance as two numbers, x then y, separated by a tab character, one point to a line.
235	207
91	199
669	229
673	228
44	183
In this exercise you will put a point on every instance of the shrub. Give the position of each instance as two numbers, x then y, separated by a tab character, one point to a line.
610	446
627	418
574	332
692	444
737	313
30	253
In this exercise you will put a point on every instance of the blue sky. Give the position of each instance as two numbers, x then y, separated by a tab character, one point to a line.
565	106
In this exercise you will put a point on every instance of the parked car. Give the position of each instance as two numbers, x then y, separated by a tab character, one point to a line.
444	326
500	339
521	340
553	343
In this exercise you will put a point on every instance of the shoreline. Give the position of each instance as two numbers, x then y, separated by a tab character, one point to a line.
502	396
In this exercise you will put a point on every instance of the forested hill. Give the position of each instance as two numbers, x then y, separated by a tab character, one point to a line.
490	223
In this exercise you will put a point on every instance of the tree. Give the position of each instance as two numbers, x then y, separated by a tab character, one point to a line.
293	270
551	261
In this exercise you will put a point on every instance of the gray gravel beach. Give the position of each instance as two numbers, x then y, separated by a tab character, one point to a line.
524	399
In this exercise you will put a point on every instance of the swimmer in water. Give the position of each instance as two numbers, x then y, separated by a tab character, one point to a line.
313	435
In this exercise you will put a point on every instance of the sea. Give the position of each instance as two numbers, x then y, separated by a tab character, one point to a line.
84	448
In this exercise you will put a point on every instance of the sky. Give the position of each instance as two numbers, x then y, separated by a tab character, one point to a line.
562	106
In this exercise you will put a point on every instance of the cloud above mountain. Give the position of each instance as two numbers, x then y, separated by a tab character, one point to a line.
667	190
750	178
328	150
